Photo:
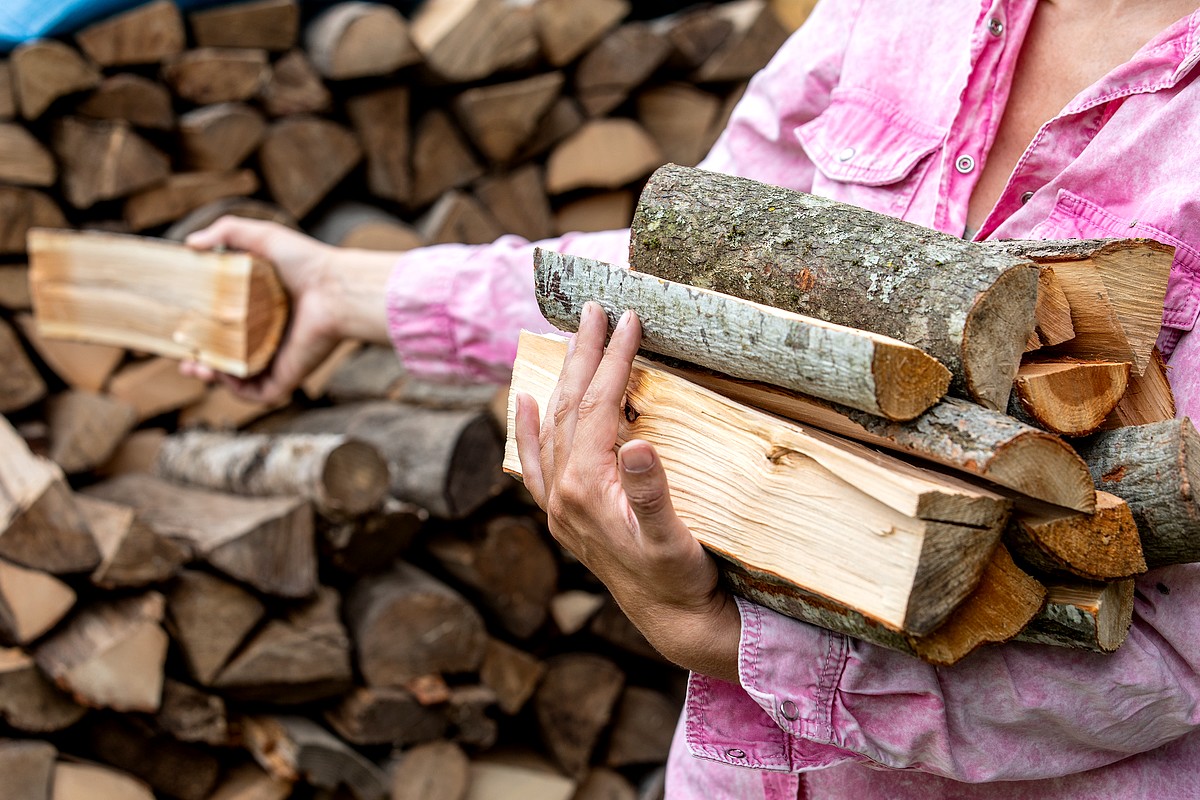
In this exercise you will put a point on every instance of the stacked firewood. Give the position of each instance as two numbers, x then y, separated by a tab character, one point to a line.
351	599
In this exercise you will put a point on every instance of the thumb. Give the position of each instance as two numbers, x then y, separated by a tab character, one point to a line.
645	485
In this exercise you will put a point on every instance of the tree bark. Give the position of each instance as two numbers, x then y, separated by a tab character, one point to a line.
1084	615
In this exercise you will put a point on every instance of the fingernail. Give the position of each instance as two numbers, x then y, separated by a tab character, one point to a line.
571	344
624	321
589	310
637	460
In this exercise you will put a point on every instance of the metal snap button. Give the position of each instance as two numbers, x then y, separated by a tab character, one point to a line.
735	753
1025	198
995	26
789	710
846	154
964	164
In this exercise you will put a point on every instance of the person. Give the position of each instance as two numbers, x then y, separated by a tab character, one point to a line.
998	119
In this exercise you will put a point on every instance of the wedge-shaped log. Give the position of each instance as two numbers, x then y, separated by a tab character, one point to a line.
145	35
385	716
1053	314
574	704
20	382
22	209
134	554
465	40
226	310
31	603
209	617
1083	615
1102	546
266	542
28	769
863	370
28	700
44	70
356	40
296	748
139	101
899	544
1155	469
567	28
1148	398
971	309
1070	398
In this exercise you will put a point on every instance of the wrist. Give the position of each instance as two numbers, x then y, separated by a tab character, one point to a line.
354	285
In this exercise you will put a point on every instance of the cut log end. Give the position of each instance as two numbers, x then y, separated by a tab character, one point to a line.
1065	485
907	381
355	478
995	333
1071	398
265	324
1101	546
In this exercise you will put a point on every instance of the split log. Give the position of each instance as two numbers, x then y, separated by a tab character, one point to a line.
466	40
295	87
8	97
607	784
434	771
40	525
604	154
216	74
21	210
221	409
357	225
14	285
300	659
111	654
244	207
496	780
467	709
517	200
755	36
1148	398
573	609
105	160
178	770
209	618
695	35
568	29
303	158
155	386
441	158
563	119
139	101
133	554
137	453
381	120
868	372
85	428
145	35
226	310
406	624
678	116
23	159
190	715
44	70
359	546
611	626
1115	289
510	568
1102	546
31	603
341	476
80	365
220	137
385	716
458	217
20	383
272	25
295	748
266	542
970	308
358	40
78	781
29	701
511	674
371	372
1070	398
1084	615
621	62
642	728
28	769
250	782
574	705
604	211
1053	314
832	527
501	117
446	461
1153	468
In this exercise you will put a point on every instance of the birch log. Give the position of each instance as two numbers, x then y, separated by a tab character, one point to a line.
865	371
971	309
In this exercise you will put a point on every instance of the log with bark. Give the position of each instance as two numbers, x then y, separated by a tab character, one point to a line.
1083	615
382	715
971	309
1101	546
296	748
359	40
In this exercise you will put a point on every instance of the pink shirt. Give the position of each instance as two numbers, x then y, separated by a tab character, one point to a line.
893	105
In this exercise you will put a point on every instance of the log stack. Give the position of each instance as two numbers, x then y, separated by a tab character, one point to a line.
386	616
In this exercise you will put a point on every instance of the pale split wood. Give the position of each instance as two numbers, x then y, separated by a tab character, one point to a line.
20	383
755	36
1084	615
380	119
603	154
105	160
272	25
441	158
466	40
793	13
1068	397
517	200
622	61
44	70
295	87
500	118
81	365
251	782
303	158
155	386
458	217
217	74
226	310
28	700
28	769
31	603
573	609
209	619
1101	546
144	35
892	533
496	780
1053	313
133	554
82	781
139	101
1148	397
24	161
366	227
746	340
359	39
295	748
602	211
221	136
86	428
567	29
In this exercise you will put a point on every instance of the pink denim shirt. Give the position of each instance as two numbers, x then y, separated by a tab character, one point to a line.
892	105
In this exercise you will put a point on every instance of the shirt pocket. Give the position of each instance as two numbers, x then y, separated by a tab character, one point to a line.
868	152
1076	217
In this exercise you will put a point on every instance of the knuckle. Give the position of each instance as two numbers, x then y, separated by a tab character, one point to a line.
650	499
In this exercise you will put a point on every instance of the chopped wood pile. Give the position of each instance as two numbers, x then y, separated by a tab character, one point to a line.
848	491
348	598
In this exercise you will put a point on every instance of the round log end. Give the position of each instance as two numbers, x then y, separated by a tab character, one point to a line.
1045	468
1071	399
995	333
355	478
907	381
266	316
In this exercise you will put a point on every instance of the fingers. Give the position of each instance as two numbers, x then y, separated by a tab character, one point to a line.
645	483
529	447
577	373
235	233
599	409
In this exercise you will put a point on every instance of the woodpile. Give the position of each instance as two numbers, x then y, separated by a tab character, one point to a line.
341	595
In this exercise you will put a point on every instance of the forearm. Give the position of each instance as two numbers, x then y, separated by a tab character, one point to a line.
356	284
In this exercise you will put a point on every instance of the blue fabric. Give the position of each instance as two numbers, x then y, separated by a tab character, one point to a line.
29	19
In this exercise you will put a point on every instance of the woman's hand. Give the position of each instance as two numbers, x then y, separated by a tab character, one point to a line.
613	510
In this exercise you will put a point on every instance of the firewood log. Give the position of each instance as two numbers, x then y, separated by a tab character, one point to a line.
244	207
8	97
500	118
292	748
792	13
611	626
642	728
267	24
177	769
512	674
220	137
145	35
136	454
573	609
358	40
434	771
24	161
190	715
105	160
604	211
392	617
209	618
85	428
20	383
303	158
1102	546
81	781
226	310
299	659
216	74
40	525
251	782
498	778
133	553
441	158
694	34
1053	313
1148	397
568	29
14	286
971	309
357	225
80	365
21	210
222	410
563	119
1153	468
340	475
385	716
574	705
604	154
28	769
517	200
139	101
266	542
1070	398
1084	615
756	35
29	702
380	119
865	371
458	217
678	116
31	603
44	70
465	40
111	654
468	709
607	784
155	386
295	87
621	62
956	539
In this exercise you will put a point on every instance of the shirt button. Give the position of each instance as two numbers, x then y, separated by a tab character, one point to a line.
789	710
846	154
995	26
964	164
735	753
1026	197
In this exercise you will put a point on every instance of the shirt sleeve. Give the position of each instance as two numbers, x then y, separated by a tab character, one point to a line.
810	698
